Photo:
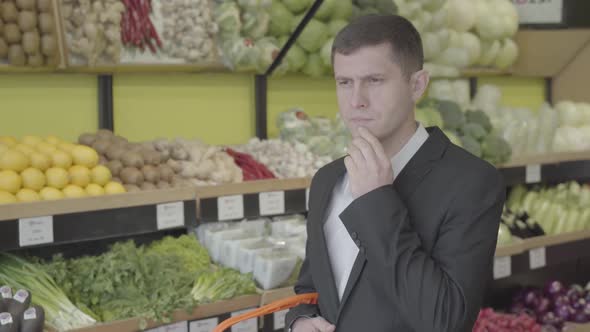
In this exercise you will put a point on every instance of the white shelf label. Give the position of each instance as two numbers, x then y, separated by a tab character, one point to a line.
176	327
204	325
307	199
533	173
272	203
279	319
537	258
170	215
230	207
5	318
250	325
33	231
31	313
502	267
539	11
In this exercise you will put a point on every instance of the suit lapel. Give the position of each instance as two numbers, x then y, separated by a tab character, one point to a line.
325	283
405	183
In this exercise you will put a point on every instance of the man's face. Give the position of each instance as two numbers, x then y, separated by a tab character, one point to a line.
372	91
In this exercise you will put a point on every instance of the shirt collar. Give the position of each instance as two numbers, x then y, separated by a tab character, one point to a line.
401	159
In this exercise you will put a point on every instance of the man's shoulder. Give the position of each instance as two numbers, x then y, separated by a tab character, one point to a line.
330	169
461	163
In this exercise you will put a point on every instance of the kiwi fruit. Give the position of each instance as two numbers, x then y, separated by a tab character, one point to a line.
12	33
132	159
150	173
16	55
104	133
87	139
166	172
163	185
115	166
101	145
115	152
148	186
131	175
119	140
131	188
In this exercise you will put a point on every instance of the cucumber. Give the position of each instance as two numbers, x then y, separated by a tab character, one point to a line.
19	303
33	319
7	323
5	296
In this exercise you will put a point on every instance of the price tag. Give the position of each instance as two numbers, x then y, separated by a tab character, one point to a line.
204	325
5	318
37	230
537	258
250	325
279	319
307	199
31	313
230	207
271	203
6	292
502	267
170	215
176	327
533	174
539	11
21	296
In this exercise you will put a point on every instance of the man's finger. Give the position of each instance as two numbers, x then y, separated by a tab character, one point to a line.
323	325
377	147
350	166
367	151
356	155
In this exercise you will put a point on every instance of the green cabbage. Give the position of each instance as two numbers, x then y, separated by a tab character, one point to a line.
255	4
255	23
507	55
240	54
268	51
314	67
335	26
386	6
296	58
452	136
326	9
314	36
281	19
227	16
343	10
297	6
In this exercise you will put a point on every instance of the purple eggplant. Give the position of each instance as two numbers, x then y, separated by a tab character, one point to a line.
5	298
33	320
8	323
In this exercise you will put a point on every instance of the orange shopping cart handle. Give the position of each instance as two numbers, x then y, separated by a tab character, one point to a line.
290	302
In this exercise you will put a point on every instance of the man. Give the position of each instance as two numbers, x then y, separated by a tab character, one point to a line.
402	231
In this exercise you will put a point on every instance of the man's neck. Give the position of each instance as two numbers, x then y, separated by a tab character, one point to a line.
398	140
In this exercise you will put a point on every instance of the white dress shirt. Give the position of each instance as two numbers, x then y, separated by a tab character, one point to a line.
341	247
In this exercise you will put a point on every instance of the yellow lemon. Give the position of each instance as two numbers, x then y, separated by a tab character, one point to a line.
61	159
25	149
50	194
65	146
33	179
100	175
28	195
85	156
10	181
9	141
51	139
94	189
57	177
7	198
74	191
79	175
114	188
31	140
40	161
46	148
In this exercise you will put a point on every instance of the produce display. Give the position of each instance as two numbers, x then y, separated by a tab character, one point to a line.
557	209
16	312
147	31
472	129
517	226
554	305
36	168
28	34
126	281
491	321
272	250
573	133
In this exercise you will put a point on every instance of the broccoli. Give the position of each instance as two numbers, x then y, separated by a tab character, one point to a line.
429	117
471	145
386	6
480	118
474	130
426	102
496	150
451	113
453	137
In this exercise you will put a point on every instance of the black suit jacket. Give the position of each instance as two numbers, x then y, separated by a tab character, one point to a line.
426	245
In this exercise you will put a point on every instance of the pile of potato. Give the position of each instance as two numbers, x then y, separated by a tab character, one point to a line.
138	166
28	33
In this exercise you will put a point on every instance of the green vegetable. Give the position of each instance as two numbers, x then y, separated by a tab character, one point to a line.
227	16
221	284
368	11
314	36
366	3
342	10
281	19
479	117
296	58
471	145
495	150
241	54
254	4
386	6
326	9
335	26
194	257
268	51
326	54
314	67
297	6
356	12
255	23
60	313
474	130
429	117
451	113
516	197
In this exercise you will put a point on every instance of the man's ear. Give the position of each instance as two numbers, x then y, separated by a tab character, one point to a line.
419	83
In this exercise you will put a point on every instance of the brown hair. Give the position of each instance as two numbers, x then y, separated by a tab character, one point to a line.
373	30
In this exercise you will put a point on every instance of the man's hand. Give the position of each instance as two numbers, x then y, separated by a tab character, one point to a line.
367	164
316	324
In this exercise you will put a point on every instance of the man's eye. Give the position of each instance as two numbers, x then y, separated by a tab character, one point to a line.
343	83
375	80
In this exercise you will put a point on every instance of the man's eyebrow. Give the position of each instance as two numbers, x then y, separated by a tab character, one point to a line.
364	77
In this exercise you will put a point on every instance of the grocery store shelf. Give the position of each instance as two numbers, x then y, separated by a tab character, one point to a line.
550	168
26	225
542	251
252	199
